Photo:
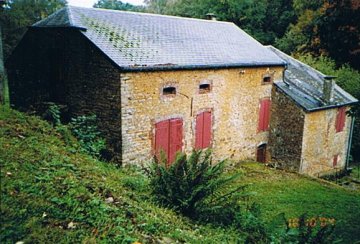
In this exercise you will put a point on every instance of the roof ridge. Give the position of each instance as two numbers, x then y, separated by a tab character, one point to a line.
151	14
294	59
70	16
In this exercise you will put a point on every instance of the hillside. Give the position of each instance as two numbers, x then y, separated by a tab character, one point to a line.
51	192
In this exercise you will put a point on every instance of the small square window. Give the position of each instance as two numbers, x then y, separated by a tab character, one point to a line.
169	91
267	79
204	88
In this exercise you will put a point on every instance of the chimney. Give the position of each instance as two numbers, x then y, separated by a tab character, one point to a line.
211	16
328	89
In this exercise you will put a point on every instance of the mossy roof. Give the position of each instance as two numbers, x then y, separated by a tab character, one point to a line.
148	41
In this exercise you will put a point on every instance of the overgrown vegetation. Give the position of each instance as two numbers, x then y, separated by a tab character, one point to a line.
51	191
84	128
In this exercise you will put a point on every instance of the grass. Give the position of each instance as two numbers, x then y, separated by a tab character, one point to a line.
51	192
292	194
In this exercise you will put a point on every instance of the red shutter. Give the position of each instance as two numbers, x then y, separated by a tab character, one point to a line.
207	130
203	133
264	114
340	119
168	138
176	131
199	131
162	138
335	160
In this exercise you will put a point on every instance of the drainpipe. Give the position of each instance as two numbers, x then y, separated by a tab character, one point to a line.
349	143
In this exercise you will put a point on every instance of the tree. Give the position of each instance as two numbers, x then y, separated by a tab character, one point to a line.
118	5
159	6
339	32
255	17
17	15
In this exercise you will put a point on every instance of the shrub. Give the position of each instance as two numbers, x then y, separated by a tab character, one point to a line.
308	230
85	130
200	190
191	184
52	114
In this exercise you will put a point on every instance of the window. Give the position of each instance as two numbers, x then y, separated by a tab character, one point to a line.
267	79
340	119
261	153
168	138
264	114
169	91
203	130
204	88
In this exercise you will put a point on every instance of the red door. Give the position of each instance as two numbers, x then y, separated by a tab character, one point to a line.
168	138
203	130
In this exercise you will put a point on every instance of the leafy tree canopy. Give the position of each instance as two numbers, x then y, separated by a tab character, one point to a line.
118	5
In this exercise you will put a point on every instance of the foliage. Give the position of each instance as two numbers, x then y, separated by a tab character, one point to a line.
308	230
200	190
255	17
53	193
190	183
53	114
85	130
118	5
17	15
328	28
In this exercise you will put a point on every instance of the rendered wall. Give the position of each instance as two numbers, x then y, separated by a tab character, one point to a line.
321	143
234	101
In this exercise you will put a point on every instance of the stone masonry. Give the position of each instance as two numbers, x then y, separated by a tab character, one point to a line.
234	101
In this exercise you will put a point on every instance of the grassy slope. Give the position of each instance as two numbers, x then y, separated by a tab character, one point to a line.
292	194
47	184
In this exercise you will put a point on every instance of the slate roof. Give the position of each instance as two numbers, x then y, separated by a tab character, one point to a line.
141	41
304	85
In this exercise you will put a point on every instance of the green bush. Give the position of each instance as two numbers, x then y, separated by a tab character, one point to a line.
52	114
307	230
85	130
191	184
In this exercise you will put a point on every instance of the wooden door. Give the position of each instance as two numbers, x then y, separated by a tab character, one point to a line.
261	153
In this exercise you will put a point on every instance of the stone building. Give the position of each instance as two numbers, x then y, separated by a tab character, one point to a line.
169	83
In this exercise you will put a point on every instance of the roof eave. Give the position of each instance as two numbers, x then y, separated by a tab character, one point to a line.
197	67
58	27
309	110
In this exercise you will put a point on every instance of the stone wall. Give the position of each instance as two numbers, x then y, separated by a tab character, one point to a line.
234	100
62	66
321	142
286	126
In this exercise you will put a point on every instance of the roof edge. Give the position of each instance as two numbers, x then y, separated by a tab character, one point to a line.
152	14
197	67
58	27
318	108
